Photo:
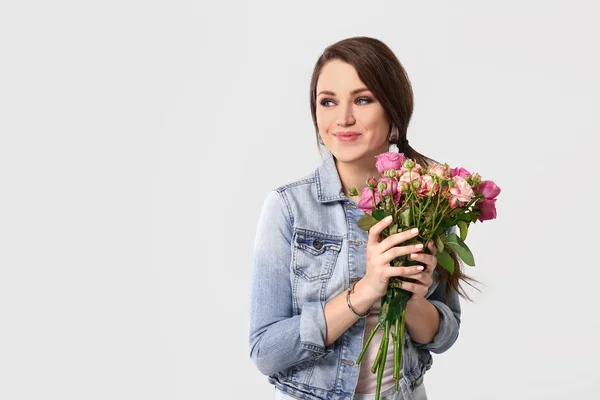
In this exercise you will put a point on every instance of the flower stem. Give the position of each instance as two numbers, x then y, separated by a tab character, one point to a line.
362	353
379	355
381	367
402	324
397	354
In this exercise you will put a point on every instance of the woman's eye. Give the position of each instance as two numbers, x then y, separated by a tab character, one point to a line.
359	101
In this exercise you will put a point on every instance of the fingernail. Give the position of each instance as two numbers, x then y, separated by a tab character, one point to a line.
419	246
420	268
414	230
388	218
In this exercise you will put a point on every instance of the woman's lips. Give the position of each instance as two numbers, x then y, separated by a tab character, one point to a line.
347	137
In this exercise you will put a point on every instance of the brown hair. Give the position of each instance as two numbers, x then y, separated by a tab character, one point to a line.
383	74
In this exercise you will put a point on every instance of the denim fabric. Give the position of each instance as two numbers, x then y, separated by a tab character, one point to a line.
308	249
390	394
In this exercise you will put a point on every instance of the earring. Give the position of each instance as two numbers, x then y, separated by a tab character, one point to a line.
394	134
320	140
393	139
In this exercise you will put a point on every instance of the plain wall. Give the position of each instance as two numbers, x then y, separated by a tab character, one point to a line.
138	140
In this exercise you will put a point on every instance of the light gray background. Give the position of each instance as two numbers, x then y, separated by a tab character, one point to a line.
138	140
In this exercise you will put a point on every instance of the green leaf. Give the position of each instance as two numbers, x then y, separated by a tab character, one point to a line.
406	217
383	313
445	260
464	229
439	244
461	249
393	229
379	214
366	222
397	304
465	217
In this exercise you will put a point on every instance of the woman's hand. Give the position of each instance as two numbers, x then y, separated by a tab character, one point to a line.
423	278
380	254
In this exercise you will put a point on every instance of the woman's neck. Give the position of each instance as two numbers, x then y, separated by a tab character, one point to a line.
355	175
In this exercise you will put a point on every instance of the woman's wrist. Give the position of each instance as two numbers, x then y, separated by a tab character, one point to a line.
362	298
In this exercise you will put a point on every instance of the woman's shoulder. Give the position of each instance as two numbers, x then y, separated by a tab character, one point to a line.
305	180
298	183
295	194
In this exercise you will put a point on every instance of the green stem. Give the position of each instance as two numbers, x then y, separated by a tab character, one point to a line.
435	212
421	211
435	226
466	209
382	366
402	324
397	354
362	353
379	356
373	195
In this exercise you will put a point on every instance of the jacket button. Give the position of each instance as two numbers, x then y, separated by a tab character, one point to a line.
317	244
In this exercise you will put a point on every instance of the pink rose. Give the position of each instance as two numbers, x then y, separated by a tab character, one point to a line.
410	178
414	167
441	171
487	209
461	192
427	187
395	192
463	173
372	182
389	160
366	200
489	189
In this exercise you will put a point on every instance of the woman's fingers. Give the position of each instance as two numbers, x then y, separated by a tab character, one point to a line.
394	252
376	230
417	288
397	238
424	277
432	247
402	271
427	259
379	254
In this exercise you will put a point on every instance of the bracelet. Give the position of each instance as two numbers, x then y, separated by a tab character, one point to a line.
351	290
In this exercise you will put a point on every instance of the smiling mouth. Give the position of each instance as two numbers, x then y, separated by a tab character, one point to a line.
346	135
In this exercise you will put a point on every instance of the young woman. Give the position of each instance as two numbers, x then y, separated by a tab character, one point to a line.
304	333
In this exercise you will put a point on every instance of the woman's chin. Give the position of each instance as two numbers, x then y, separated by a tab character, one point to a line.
350	155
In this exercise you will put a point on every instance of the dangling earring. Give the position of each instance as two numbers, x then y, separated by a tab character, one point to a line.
393	139
320	140
394	134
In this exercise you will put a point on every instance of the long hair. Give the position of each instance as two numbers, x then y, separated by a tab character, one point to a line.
380	70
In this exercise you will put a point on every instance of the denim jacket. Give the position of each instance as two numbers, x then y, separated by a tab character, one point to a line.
308	249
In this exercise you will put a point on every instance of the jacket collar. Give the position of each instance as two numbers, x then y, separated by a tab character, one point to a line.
329	186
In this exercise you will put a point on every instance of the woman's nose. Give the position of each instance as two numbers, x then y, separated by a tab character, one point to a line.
345	116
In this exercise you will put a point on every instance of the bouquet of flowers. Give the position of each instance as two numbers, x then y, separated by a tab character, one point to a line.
433	200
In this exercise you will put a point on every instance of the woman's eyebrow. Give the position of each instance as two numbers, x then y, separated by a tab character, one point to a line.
355	91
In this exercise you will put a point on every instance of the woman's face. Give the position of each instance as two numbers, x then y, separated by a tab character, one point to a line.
351	122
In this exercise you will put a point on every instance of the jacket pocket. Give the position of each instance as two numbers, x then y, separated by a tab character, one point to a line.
315	254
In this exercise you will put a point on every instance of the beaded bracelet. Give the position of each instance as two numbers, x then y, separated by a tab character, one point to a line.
351	290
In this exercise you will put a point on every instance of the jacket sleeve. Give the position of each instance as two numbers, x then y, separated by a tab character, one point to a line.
278	338
450	313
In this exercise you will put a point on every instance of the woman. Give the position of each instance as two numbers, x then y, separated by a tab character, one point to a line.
304	333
